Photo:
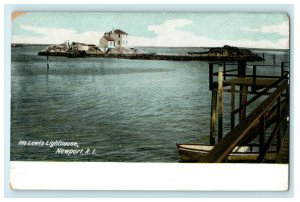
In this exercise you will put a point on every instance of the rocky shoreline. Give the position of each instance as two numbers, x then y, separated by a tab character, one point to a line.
226	53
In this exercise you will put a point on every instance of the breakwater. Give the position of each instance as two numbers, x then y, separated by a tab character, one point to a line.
226	53
151	56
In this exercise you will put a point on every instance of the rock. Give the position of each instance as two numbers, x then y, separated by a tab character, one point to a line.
229	52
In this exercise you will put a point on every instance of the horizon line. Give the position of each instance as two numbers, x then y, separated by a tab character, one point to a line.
253	48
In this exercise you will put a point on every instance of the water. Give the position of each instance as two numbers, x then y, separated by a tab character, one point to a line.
120	110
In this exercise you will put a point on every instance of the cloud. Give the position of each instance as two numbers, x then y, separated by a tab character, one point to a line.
56	36
281	29
167	35
169	25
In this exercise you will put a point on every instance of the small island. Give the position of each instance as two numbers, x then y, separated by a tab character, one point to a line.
114	44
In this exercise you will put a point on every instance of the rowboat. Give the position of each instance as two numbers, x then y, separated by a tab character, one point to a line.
196	152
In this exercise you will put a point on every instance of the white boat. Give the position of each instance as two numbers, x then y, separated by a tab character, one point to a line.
195	152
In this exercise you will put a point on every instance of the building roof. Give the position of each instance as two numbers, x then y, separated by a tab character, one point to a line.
108	38
118	31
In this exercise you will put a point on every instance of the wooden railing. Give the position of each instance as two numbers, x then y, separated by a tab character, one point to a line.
254	98
234	73
257	118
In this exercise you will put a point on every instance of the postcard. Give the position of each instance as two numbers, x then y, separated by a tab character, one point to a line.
123	98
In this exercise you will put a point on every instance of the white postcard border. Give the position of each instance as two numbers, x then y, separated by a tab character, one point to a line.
25	171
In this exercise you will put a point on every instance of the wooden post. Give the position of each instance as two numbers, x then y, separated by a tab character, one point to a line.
274	58
224	70
213	116
47	61
220	104
278	135
282	69
254	78
243	101
263	56
241	68
288	93
243	89
232	106
262	133
211	76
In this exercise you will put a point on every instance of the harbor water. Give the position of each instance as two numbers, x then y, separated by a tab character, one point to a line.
114	110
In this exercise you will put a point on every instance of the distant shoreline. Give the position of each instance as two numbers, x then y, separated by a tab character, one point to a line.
184	47
29	44
170	47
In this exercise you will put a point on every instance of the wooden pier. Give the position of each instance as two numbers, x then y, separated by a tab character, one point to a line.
267	123
261	117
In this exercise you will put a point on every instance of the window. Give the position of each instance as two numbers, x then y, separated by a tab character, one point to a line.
119	42
119	35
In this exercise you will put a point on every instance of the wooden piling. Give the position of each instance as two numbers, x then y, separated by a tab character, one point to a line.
220	104
262	133
232	106
243	89
47	62
224	71
278	135
254	78
243	101
282	68
211	71
241	68
213	116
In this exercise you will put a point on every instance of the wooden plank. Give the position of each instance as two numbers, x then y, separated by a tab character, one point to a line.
260	82
249	92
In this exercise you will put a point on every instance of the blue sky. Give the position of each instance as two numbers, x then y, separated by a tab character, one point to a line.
261	30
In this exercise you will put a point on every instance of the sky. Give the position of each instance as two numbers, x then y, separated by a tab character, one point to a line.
163	29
